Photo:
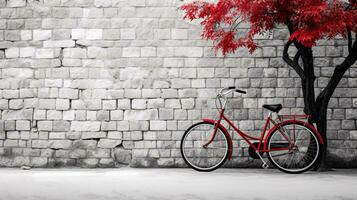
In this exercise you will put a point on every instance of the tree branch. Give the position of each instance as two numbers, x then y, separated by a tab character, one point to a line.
297	56
233	28
293	63
349	38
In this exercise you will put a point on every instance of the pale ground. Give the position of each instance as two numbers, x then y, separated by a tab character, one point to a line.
175	184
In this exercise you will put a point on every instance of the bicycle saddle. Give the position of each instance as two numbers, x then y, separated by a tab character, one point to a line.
273	107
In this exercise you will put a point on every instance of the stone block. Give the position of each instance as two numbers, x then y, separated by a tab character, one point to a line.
16	3
85	144
58	43
12	52
42	34
61	126
149	114
67	93
44	125
22	125
44	53
85	126
127	34
88	162
60	144
116	115
16	104
38	162
108	143
122	156
99	153
42	144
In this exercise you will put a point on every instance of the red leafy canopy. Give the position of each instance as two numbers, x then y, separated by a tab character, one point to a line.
309	20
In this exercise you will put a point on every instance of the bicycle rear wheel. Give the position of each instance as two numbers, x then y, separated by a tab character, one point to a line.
302	155
203	158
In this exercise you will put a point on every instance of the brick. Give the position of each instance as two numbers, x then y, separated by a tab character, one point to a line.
102	115
4	104
85	126
62	104
27	52
131	52
102	3
67	93
148	52
99	153
122	156
22	125
85	144
16	104
12	52
11	143
44	125
26	35
68	115
42	34
60	144
138	104
188	51
108	143
109	104
58	43
57	135
77	153
12	35
88	162
42	144
140	114
47	104
44	53
157	125
78	34
16	3
61	126
127	34
115	135
179	34
94	34
74	53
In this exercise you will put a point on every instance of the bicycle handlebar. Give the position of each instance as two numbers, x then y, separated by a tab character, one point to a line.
230	89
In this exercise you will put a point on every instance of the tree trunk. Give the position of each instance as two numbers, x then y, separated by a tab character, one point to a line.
308	82
317	107
321	123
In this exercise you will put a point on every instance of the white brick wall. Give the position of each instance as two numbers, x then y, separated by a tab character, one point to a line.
107	82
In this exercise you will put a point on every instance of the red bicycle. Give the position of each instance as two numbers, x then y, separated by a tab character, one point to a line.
291	144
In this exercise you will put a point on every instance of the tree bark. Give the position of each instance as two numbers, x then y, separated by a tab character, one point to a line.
317	108
308	84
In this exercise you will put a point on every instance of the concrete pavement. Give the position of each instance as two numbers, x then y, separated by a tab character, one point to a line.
174	184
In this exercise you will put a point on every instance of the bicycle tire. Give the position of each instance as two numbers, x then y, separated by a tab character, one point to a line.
192	165
319	147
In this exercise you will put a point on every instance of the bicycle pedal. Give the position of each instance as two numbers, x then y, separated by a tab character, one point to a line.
265	166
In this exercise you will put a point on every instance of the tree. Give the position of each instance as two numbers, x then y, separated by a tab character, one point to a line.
307	22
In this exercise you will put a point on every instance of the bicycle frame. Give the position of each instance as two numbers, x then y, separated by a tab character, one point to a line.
261	145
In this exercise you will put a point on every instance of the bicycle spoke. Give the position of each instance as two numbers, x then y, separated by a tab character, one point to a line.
197	154
302	154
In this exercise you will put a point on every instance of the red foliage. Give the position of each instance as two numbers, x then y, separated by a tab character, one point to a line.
308	20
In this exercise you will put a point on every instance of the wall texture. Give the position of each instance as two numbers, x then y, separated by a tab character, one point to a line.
99	83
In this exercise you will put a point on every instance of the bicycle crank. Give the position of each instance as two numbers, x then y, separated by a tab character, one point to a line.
265	165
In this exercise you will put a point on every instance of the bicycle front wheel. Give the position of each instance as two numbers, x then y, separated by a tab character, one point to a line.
301	154
200	157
